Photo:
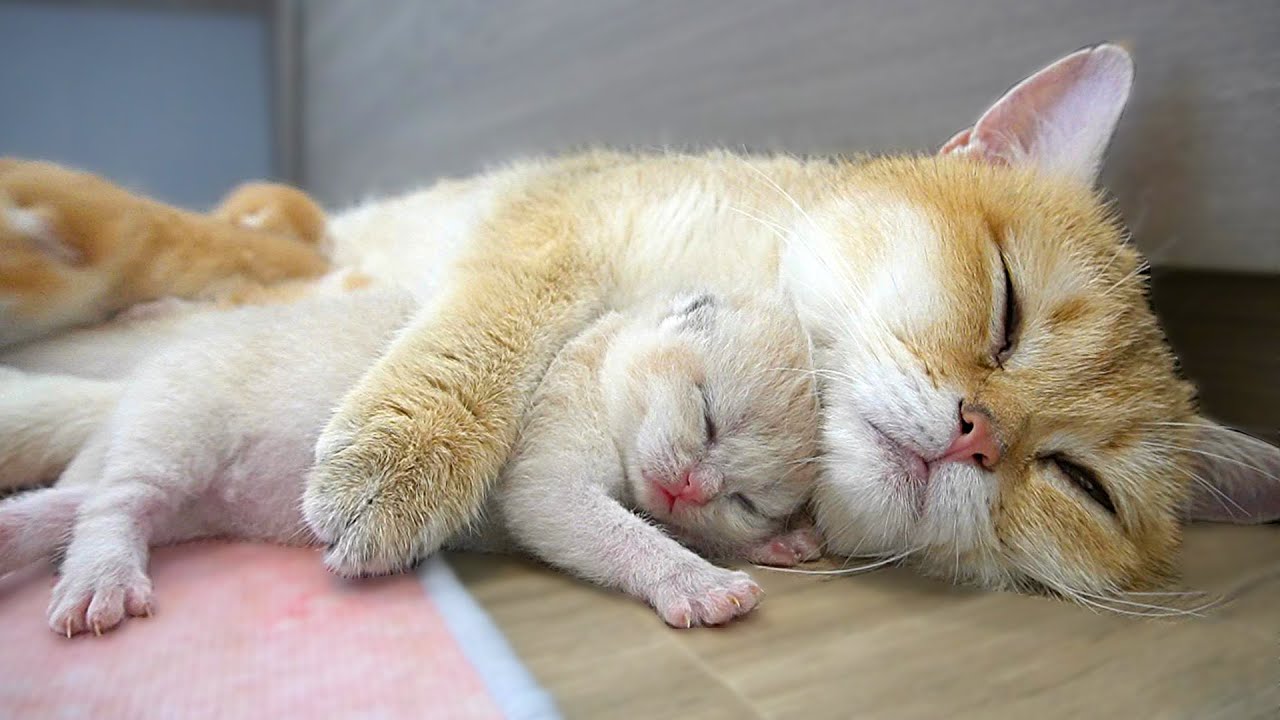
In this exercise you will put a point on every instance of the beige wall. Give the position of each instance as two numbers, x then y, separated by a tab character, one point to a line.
398	92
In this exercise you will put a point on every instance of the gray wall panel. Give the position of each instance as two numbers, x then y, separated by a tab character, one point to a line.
399	92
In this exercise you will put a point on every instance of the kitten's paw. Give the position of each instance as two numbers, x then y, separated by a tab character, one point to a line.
98	602
705	595
390	491
789	549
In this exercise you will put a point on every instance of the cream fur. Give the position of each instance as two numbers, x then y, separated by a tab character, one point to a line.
258	385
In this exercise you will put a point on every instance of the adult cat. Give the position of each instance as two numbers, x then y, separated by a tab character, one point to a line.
999	402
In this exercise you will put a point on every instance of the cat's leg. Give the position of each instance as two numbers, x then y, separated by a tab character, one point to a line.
275	208
104	574
44	422
35	525
589	534
138	492
411	451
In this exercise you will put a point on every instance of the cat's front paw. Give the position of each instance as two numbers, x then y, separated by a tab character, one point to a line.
789	549
389	487
98	601
705	595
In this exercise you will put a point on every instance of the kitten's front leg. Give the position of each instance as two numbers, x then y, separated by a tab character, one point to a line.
410	453
594	537
104	576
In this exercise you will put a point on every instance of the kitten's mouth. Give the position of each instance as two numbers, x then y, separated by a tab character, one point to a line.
914	475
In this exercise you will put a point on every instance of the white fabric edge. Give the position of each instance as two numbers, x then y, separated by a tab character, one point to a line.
516	693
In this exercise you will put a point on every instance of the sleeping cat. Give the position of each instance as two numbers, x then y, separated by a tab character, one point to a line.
698	413
999	405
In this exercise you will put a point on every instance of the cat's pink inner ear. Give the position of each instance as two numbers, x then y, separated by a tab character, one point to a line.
1237	479
1061	119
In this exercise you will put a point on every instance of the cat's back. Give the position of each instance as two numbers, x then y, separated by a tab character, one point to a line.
663	210
267	363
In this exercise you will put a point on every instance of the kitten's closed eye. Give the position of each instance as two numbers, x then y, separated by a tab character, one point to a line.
1084	479
709	424
746	503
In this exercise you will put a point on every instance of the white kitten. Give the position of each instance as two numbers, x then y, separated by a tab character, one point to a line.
213	437
699	414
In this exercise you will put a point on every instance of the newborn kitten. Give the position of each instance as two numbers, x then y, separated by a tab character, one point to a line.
214	436
699	415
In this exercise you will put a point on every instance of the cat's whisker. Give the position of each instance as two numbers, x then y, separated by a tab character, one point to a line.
787	238
1231	432
1138	269
1222	498
1147	609
1206	453
817	229
876	565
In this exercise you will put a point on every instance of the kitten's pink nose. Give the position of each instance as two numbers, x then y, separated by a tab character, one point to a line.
683	487
976	442
689	490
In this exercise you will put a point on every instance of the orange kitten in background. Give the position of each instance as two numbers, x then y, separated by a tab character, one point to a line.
76	249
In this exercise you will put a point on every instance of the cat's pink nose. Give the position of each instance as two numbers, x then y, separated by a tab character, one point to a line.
683	487
976	441
689	490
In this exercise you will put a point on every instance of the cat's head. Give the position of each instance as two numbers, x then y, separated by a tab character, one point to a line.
713	405
1000	404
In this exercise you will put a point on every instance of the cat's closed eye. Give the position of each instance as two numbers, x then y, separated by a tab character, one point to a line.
1085	480
1009	322
708	422
746	503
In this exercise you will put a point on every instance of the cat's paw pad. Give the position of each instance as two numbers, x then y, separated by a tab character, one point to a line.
97	603
789	549
706	595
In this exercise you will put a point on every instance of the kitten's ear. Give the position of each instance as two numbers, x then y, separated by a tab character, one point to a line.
1239	478
1060	119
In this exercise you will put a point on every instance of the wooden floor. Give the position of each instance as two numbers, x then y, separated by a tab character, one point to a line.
892	645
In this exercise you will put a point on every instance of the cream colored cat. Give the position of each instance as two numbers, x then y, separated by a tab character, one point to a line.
999	401
697	411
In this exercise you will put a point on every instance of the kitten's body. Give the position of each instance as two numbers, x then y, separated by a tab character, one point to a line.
213	437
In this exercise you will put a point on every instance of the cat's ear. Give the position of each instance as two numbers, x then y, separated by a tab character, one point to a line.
1238	478
1061	119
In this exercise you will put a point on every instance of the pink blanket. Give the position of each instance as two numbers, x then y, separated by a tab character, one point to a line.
246	631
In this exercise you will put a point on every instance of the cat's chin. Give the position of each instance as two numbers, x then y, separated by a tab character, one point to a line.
867	502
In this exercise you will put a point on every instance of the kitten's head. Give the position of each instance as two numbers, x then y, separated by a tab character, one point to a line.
1002	406
713	405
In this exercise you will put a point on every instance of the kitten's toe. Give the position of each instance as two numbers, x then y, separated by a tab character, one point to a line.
98	603
706	596
792	548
